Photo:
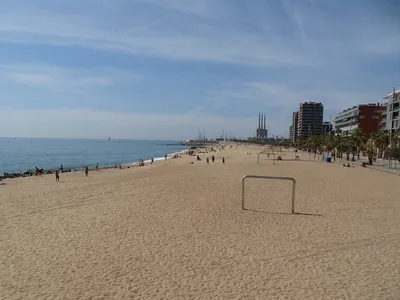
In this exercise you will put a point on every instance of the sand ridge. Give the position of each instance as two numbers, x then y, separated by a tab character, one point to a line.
176	230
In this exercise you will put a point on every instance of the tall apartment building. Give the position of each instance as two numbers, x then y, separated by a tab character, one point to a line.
391	120
367	117
310	119
294	127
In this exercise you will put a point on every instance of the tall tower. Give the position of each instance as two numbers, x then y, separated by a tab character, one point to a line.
310	119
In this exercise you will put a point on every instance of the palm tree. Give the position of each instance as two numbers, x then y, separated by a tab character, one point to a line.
370	150
358	140
381	139
396	139
347	146
337	142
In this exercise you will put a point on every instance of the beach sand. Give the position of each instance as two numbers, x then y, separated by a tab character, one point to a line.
175	230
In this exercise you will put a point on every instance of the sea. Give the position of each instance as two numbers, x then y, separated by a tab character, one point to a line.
19	154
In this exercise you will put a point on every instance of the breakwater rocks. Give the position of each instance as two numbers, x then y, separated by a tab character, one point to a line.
28	173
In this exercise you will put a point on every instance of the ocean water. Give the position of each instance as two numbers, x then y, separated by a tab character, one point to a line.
17	155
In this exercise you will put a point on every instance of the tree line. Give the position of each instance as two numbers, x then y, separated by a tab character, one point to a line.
354	143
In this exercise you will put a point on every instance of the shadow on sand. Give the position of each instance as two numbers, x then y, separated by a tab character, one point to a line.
282	213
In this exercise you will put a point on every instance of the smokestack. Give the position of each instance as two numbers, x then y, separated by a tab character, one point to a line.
262	120
265	121
259	120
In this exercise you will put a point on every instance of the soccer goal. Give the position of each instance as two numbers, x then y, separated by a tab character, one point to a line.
272	178
268	154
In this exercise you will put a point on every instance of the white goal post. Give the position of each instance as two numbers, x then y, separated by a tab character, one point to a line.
273	178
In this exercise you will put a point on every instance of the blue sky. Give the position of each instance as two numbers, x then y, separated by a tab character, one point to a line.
167	68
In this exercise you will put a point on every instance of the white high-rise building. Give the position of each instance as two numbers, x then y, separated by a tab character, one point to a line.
392	120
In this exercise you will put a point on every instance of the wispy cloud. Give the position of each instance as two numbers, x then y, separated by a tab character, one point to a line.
223	40
270	95
56	77
193	7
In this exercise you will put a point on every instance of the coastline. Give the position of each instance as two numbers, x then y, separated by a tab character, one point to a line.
28	172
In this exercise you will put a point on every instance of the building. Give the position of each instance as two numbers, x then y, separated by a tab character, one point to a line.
294	127
262	131
391	120
310	118
327	127
367	117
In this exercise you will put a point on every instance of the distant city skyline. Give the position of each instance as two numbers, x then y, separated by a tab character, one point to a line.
162	69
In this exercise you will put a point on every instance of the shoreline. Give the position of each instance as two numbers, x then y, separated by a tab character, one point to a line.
30	173
183	156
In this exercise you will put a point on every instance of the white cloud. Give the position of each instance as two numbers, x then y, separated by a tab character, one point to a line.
194	7
195	40
33	78
120	26
56	77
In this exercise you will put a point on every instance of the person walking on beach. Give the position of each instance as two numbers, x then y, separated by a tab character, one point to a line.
152	160
223	160
86	171
57	176
97	167
165	156
208	161
213	158
61	168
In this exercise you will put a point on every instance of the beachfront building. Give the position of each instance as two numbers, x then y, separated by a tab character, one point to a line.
367	117
310	119
391	120
294	127
327	127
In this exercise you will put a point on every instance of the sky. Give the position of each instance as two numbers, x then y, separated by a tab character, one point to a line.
165	69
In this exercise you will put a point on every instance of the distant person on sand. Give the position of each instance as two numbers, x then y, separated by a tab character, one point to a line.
38	171
57	176
86	171
213	158
208	161
97	166
165	156
61	168
223	160
152	160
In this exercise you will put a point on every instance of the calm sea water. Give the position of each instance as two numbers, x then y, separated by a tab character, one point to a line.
19	154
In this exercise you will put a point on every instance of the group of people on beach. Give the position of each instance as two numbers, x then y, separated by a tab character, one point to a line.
141	163
212	159
85	167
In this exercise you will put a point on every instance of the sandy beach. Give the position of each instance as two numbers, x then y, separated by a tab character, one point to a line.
176	230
